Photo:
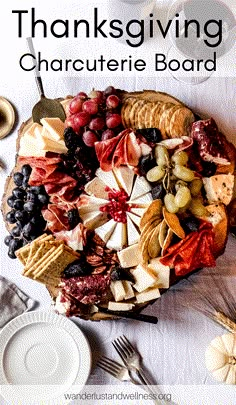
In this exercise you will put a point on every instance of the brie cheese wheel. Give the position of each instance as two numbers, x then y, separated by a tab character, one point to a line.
133	234
148	295
161	271
134	218
105	231
55	128
96	187
219	188
119	306
141	187
130	256
125	178
108	178
118	237
144	278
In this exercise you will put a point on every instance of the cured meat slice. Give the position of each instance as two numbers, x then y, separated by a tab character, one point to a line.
73	238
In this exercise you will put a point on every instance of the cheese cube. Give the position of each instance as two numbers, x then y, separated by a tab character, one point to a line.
219	188
28	148
55	127
144	278
129	292
118	290
161	271
119	306
130	256
148	295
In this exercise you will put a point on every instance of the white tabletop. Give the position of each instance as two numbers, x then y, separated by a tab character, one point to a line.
173	350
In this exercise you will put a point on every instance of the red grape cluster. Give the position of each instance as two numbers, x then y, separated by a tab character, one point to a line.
95	116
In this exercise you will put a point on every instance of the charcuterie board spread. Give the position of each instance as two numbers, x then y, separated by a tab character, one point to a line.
124	198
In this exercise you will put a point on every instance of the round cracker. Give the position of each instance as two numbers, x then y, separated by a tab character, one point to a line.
167	242
125	111
168	116
180	123
162	233
154	210
165	107
173	223
141	115
134	112
155	115
154	247
148	228
148	115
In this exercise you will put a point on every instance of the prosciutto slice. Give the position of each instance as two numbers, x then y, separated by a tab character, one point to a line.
73	238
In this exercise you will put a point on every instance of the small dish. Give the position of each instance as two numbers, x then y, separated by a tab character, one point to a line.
7	117
43	355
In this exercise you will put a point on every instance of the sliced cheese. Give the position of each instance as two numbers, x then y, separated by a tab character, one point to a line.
96	187
118	238
141	187
219	188
55	127
138	211
37	142
125	178
94	219
53	146
130	256
161	271
143	200
148	295
136	220
105	231
133	233
129	292
90	203
27	148
34	130
120	306
144	278
108	178
118	290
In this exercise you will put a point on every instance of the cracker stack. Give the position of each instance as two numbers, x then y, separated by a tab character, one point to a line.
45	258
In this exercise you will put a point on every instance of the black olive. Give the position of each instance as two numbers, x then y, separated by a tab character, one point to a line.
190	224
78	268
18	193
158	192
18	178
118	273
146	163
10	217
73	218
151	134
10	201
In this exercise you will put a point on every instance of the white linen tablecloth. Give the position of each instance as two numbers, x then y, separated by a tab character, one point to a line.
173	350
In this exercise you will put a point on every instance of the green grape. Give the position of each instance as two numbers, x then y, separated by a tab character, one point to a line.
182	197
183	173
180	158
195	187
162	155
155	174
170	204
179	184
197	208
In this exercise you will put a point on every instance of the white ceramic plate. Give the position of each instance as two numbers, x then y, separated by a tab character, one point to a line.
42	355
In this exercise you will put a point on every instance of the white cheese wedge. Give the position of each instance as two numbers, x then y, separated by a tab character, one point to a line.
143	200
96	187
125	178
148	295
161	271
55	127
34	130
90	203
118	237
133	233
37	142
27	148
219	188
54	146
108	178
138	211
106	230
94	219
118	290
130	256
136	220
120	306
129	292
141	187
144	278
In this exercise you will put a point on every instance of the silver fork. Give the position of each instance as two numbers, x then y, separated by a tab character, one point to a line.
115	369
130	357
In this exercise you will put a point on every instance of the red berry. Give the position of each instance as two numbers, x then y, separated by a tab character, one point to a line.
90	138
81	119
90	106
75	105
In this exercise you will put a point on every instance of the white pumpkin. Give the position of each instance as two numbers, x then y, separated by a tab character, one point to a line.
221	358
